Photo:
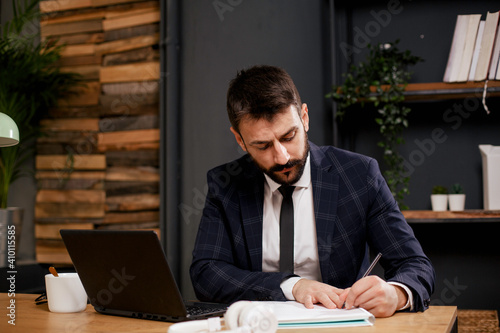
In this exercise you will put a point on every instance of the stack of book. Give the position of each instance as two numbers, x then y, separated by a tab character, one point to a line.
475	49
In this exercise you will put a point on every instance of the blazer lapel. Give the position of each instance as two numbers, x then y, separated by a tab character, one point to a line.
251	194
325	184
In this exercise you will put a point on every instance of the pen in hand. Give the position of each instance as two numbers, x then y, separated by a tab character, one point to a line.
369	270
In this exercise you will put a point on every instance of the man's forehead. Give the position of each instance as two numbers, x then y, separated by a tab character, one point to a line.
280	124
285	114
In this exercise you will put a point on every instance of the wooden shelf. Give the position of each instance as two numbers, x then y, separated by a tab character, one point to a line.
442	90
428	216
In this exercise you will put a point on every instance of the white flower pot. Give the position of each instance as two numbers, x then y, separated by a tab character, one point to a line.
457	201
439	202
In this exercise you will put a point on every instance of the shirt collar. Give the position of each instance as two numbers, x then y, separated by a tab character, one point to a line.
304	180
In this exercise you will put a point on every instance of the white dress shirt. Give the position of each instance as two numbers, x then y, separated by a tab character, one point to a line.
306	259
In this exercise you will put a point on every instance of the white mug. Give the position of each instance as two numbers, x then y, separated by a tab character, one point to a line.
65	293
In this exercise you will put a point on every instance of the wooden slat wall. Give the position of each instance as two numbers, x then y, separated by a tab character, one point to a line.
97	164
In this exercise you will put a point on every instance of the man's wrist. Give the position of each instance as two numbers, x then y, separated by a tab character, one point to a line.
287	287
405	296
402	297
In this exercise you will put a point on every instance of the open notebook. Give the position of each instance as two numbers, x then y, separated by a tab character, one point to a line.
295	315
126	273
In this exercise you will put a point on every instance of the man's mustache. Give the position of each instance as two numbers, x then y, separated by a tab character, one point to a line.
280	167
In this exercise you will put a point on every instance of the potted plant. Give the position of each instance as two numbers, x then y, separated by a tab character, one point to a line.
439	198
456	198
382	81
30	82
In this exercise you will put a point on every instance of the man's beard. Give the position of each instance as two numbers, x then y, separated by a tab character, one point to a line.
298	163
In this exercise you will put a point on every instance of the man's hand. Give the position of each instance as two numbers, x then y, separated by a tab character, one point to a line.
375	295
309	292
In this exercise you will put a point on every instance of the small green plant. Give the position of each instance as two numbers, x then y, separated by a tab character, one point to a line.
382	81
457	189
438	189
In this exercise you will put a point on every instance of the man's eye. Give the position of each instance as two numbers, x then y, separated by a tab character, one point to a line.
289	137
262	145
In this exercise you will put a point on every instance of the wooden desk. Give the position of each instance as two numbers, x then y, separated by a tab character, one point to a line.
37	318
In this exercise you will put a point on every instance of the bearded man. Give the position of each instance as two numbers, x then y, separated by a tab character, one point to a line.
337	204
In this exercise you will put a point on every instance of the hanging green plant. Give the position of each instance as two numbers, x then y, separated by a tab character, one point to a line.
382	80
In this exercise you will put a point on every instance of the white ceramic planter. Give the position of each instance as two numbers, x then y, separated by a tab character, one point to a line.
439	202
456	201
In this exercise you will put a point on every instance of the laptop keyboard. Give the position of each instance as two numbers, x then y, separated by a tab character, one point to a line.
200	310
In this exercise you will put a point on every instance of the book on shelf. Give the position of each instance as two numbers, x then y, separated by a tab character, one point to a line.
457	46
477	49
497	77
473	22
495	61
495	56
487	42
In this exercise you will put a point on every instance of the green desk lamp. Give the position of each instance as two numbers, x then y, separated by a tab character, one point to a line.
9	134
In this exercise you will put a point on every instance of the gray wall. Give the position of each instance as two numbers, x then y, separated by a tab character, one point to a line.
214	47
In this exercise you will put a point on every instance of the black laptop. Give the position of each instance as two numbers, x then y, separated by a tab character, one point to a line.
126	273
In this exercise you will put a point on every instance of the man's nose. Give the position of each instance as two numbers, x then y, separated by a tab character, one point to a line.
281	155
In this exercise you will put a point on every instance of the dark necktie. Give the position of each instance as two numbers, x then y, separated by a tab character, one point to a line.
286	229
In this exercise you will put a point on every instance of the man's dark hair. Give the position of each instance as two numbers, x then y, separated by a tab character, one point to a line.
260	92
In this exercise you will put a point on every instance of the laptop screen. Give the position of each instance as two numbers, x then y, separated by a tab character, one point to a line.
124	271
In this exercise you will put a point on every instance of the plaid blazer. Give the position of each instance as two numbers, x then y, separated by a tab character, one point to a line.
354	210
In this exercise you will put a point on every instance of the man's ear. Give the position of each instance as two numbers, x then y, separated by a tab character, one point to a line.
304	116
239	139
